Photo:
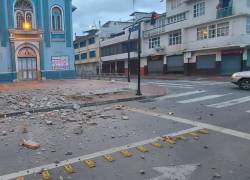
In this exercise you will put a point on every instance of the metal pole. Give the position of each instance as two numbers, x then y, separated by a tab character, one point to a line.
128	46
139	61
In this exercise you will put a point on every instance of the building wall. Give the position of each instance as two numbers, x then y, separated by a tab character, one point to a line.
52	44
237	38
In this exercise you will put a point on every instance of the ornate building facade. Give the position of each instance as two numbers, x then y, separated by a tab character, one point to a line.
36	40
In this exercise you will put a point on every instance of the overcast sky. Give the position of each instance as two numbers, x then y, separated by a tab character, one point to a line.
89	12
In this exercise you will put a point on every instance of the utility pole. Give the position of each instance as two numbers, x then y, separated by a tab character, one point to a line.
139	61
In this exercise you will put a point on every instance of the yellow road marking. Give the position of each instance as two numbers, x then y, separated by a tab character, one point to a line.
193	134
69	169
20	178
141	149
156	144
109	158
180	138
126	153
203	131
90	163
169	140
46	175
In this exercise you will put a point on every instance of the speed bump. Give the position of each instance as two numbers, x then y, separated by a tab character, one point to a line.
126	153
109	157
141	149
180	137
90	163
203	131
156	144
169	140
69	169
20	178
46	175
194	135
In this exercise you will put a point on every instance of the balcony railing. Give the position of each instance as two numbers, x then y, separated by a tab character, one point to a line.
224	12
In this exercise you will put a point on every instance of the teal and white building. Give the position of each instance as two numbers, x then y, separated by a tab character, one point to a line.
36	40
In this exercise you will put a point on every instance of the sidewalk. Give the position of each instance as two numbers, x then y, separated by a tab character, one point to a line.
41	95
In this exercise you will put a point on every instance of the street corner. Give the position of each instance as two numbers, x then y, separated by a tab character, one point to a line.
45	137
141	159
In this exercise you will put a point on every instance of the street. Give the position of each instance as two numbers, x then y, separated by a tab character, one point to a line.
199	130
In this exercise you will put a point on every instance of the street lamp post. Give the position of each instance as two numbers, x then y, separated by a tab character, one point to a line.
128	47
139	60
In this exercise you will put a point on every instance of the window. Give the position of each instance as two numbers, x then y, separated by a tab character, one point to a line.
77	57
175	37
154	42
212	31
82	43
202	33
76	46
92	54
57	24
199	9
177	18
19	20
175	4
248	25
222	29
84	56
23	14
92	40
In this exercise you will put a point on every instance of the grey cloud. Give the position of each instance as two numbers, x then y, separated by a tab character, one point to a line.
89	12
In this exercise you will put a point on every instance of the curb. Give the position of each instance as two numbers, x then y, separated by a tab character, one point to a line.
13	114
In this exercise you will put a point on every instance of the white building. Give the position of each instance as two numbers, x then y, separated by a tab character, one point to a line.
199	36
114	49
114	53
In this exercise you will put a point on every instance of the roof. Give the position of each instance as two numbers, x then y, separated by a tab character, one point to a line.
139	12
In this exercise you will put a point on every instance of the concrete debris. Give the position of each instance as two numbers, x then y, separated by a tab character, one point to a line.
68	153
49	123
119	107
125	118
217	176
4	133
142	172
31	144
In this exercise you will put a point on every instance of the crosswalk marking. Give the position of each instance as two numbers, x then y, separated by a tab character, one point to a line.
203	98
180	95
230	103
186	86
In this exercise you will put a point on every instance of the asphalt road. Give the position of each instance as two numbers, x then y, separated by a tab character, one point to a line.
189	106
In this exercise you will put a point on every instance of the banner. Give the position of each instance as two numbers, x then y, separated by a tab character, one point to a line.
60	63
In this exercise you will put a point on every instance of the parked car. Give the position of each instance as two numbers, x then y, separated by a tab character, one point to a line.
242	79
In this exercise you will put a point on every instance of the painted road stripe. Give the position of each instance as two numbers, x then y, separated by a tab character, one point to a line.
180	95
230	103
200	125
92	156
186	86
203	98
248	111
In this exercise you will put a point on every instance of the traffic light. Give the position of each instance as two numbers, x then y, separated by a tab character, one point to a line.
154	17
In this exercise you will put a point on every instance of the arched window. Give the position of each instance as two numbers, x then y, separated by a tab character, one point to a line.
24	13
57	19
19	20
29	17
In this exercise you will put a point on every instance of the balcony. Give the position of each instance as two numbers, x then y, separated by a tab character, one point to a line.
224	12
